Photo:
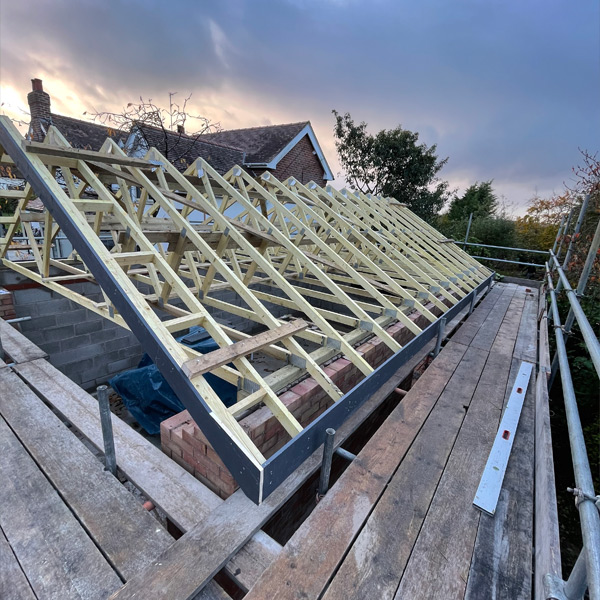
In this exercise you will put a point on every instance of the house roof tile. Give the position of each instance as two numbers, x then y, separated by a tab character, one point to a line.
261	144
84	134
182	149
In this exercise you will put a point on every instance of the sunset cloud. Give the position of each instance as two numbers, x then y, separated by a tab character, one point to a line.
507	90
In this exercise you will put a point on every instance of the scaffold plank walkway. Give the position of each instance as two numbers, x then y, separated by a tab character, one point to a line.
409	530
399	522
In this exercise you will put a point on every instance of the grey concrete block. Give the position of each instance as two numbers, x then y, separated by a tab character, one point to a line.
75	342
77	354
88	326
119	342
105	357
131	352
96	372
119	365
32	295
72	373
50	348
71	316
26	310
73	370
37	337
56	334
38	323
53	307
110	331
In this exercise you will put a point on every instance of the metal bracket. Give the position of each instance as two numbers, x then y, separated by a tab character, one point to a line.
297	361
365	325
333	343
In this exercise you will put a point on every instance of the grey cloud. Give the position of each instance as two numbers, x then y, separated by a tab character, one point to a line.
508	90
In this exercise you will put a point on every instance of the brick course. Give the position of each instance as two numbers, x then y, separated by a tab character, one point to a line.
7	305
185	443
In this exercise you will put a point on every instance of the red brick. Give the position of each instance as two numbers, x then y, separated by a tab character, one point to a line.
330	371
180	461
212	456
189	437
306	387
177	439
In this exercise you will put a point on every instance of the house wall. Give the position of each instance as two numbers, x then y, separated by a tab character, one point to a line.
7	305
302	163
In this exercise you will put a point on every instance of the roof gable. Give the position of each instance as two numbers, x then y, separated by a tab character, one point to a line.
261	144
266	146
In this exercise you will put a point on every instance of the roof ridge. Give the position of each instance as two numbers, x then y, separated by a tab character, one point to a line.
52	114
259	127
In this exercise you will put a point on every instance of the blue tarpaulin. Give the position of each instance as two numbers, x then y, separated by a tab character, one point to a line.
148	396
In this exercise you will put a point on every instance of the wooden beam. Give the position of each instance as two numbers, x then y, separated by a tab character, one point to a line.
218	358
87	155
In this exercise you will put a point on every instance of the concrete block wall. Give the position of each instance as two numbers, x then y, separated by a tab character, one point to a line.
184	442
83	345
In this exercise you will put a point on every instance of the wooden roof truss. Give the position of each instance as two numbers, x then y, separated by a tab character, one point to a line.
180	240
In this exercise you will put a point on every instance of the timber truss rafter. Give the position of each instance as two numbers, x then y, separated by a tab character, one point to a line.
346	265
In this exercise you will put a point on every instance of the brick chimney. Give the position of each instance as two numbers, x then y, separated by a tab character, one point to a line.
39	107
180	129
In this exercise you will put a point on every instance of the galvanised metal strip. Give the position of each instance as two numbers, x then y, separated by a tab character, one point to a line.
488	492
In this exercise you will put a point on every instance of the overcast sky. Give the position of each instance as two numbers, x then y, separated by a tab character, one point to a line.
507	89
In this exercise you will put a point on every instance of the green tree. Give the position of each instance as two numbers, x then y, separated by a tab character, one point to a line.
391	163
479	199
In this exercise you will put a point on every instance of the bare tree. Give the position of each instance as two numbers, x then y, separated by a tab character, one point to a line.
156	126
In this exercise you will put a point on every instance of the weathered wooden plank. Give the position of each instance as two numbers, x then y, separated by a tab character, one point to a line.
189	564
526	345
250	562
202	551
17	346
128	535
308	560
183	498
445	543
13	583
374	564
471	326
501	566
222	356
58	558
485	336
547	538
49	150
